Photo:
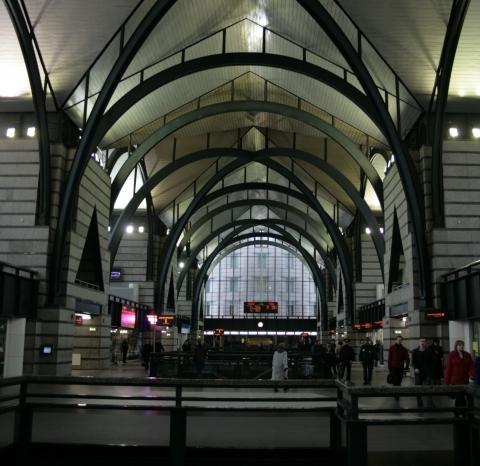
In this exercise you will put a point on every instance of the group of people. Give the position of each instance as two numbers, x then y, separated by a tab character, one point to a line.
429	368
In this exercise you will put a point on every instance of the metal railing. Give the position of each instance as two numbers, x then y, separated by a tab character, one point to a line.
349	413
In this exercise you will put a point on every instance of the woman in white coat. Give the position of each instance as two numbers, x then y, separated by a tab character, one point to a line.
280	364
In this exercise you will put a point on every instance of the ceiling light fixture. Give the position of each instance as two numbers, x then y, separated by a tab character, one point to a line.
10	132
31	130
368	231
476	132
129	229
141	229
453	131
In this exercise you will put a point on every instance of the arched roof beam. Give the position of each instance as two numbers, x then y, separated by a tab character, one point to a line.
242	225
246	157
316	273
238	188
248	105
90	140
25	38
251	203
440	96
408	173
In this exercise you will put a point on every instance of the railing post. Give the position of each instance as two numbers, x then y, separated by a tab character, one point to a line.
23	421
178	430
461	443
335	436
357	453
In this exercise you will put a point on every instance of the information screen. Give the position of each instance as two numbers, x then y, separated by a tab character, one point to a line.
128	317
260	307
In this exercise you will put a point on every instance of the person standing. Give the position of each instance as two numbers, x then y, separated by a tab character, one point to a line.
367	357
422	363
146	352
346	356
459	369
124	350
398	361
437	361
378	353
199	356
280	364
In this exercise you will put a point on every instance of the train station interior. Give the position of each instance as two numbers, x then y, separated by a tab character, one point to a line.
196	193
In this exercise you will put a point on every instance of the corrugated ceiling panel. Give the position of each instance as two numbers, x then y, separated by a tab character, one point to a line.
209	46
280	46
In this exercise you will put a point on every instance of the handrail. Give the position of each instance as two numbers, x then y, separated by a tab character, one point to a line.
456	272
17	269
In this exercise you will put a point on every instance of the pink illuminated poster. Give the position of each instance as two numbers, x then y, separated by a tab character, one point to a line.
128	317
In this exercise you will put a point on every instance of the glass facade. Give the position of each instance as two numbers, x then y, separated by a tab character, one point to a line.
260	273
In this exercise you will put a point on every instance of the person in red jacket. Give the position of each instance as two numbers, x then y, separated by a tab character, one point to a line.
398	361
459	369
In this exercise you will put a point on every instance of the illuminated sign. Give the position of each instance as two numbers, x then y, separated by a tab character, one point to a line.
435	315
165	320
128	317
259	307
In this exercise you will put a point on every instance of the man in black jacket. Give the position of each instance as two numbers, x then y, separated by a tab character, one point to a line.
367	357
346	356
422	363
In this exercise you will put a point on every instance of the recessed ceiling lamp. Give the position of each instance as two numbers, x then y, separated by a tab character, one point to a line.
368	231
10	132
453	131
476	132
130	229
31	131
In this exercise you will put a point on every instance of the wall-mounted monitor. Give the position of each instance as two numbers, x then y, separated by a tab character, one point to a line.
128	317
260	307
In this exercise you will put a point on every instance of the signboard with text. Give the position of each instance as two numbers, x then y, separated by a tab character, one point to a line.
260	307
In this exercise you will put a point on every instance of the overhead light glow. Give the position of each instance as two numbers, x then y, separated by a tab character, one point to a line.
141	229
14	83
476	132
129	229
31	131
10	132
260	324
461	92
453	131
382	230
181	265
368	231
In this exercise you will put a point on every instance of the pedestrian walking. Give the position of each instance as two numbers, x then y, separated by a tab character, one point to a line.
124	348
367	357
398	362
346	356
280	364
437	356
423	368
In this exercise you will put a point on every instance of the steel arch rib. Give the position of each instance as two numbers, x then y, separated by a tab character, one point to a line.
243	225
243	187
250	203
232	59
38	97
312	266
408	174
248	105
444	71
88	142
338	239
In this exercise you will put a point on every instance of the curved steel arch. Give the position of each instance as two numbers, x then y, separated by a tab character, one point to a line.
312	266
243	187
233	59
249	203
167	252
442	83
345	184
348	187
408	173
245	224
38	96
248	105
113	158
88	142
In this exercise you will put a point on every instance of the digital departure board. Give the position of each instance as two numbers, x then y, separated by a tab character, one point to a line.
260	307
